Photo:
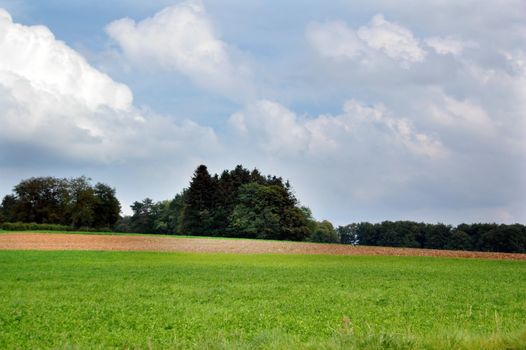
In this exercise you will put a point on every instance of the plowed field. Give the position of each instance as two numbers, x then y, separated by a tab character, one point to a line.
59	241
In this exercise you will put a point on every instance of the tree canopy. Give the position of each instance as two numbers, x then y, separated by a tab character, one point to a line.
72	202
237	203
478	237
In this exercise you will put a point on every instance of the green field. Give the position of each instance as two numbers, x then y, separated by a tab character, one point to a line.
73	299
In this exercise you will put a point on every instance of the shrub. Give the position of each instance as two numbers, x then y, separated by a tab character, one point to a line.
24	226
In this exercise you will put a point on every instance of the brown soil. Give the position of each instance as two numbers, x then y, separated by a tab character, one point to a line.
59	241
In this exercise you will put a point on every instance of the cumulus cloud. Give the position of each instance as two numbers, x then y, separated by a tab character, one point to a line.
276	129
393	39
337	40
182	38
51	66
52	99
446	143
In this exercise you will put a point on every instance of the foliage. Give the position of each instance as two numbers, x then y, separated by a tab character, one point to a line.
257	213
199	203
106	207
143	216
324	232
267	211
31	226
132	300
68	202
478	237
238	203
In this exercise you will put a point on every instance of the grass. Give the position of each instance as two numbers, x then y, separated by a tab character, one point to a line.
76	299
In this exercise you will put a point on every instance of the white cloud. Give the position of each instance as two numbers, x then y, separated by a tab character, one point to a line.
335	39
276	130
52	99
5	16
446	144
272	126
33	54
444	46
181	38
394	40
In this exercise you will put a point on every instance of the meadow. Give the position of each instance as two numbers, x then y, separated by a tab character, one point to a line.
98	299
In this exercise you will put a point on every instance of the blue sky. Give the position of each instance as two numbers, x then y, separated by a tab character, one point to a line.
374	110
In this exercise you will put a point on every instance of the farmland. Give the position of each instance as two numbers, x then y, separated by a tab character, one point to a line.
100	299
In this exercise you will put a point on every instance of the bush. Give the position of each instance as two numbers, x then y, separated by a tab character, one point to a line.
24	226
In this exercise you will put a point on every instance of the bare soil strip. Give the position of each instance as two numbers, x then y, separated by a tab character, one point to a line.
59	241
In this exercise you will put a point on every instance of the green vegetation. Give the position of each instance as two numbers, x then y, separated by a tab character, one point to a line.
238	203
60	204
156	300
31	226
477	237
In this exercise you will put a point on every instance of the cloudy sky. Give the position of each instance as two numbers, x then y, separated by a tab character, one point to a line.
374	110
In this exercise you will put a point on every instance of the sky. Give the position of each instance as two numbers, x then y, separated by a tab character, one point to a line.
374	110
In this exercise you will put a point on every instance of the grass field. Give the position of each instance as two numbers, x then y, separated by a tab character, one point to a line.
82	299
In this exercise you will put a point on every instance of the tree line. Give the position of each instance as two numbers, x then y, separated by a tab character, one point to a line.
74	203
236	203
475	237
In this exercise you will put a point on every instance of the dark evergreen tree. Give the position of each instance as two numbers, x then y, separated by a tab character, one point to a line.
198	215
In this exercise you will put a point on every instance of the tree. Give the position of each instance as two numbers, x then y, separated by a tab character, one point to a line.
366	234
177	210
142	219
161	216
438	236
268	211
41	200
198	217
72	202
477	234
505	238
324	233
8	209
106	207
459	240
81	204
294	224
226	195
256	214
348	234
